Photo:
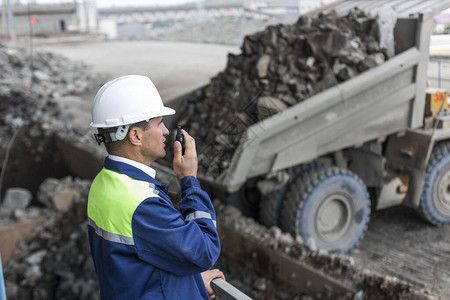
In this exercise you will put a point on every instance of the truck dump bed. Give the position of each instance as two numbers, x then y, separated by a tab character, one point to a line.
384	100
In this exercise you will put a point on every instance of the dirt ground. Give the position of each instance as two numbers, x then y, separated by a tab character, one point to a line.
400	244
174	67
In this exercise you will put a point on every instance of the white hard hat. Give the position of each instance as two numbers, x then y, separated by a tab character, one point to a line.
127	100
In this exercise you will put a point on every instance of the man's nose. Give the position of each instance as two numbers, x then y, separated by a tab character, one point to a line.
165	130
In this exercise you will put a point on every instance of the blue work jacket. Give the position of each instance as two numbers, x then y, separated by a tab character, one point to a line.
144	248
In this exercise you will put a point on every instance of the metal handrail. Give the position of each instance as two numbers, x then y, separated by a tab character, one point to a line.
225	291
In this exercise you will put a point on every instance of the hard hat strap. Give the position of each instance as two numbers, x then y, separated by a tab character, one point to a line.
121	132
110	137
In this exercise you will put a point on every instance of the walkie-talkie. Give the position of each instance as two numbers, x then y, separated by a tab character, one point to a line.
180	138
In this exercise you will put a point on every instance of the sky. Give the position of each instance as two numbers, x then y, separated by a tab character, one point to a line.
104	3
108	3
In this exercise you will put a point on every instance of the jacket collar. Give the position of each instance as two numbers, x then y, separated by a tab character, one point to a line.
133	170
150	171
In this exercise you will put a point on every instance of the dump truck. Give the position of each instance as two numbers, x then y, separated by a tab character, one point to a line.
368	143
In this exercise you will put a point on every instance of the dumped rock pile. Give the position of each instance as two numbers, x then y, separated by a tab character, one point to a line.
54	261
278	67
32	86
32	83
15	207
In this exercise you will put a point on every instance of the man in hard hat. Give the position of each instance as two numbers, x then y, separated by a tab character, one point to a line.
142	247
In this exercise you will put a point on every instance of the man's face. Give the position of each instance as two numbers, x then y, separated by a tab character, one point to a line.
153	139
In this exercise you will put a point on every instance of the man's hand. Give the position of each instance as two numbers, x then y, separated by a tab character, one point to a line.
210	275
185	165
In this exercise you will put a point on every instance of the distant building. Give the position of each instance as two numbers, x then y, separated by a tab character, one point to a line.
309	5
302	7
51	19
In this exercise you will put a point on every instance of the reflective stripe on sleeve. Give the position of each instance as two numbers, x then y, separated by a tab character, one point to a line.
112	237
200	215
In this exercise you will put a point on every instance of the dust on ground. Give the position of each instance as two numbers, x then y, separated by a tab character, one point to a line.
399	243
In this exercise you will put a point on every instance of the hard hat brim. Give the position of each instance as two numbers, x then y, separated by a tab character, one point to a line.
164	111
167	111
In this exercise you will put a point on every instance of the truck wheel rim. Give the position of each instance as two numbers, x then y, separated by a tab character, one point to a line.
444	192
333	217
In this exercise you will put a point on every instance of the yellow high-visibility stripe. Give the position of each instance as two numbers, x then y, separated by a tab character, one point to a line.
113	198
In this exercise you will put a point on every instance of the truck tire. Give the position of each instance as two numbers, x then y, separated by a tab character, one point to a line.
329	208
435	199
270	205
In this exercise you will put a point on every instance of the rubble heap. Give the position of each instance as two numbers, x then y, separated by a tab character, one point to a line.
33	87
32	83
371	285
54	262
278	67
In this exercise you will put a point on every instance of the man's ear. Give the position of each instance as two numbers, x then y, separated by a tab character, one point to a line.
135	136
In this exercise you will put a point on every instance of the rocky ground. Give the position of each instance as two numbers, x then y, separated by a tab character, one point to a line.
54	261
399	243
33	87
370	284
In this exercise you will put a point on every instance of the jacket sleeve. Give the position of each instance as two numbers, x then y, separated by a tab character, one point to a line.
182	245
